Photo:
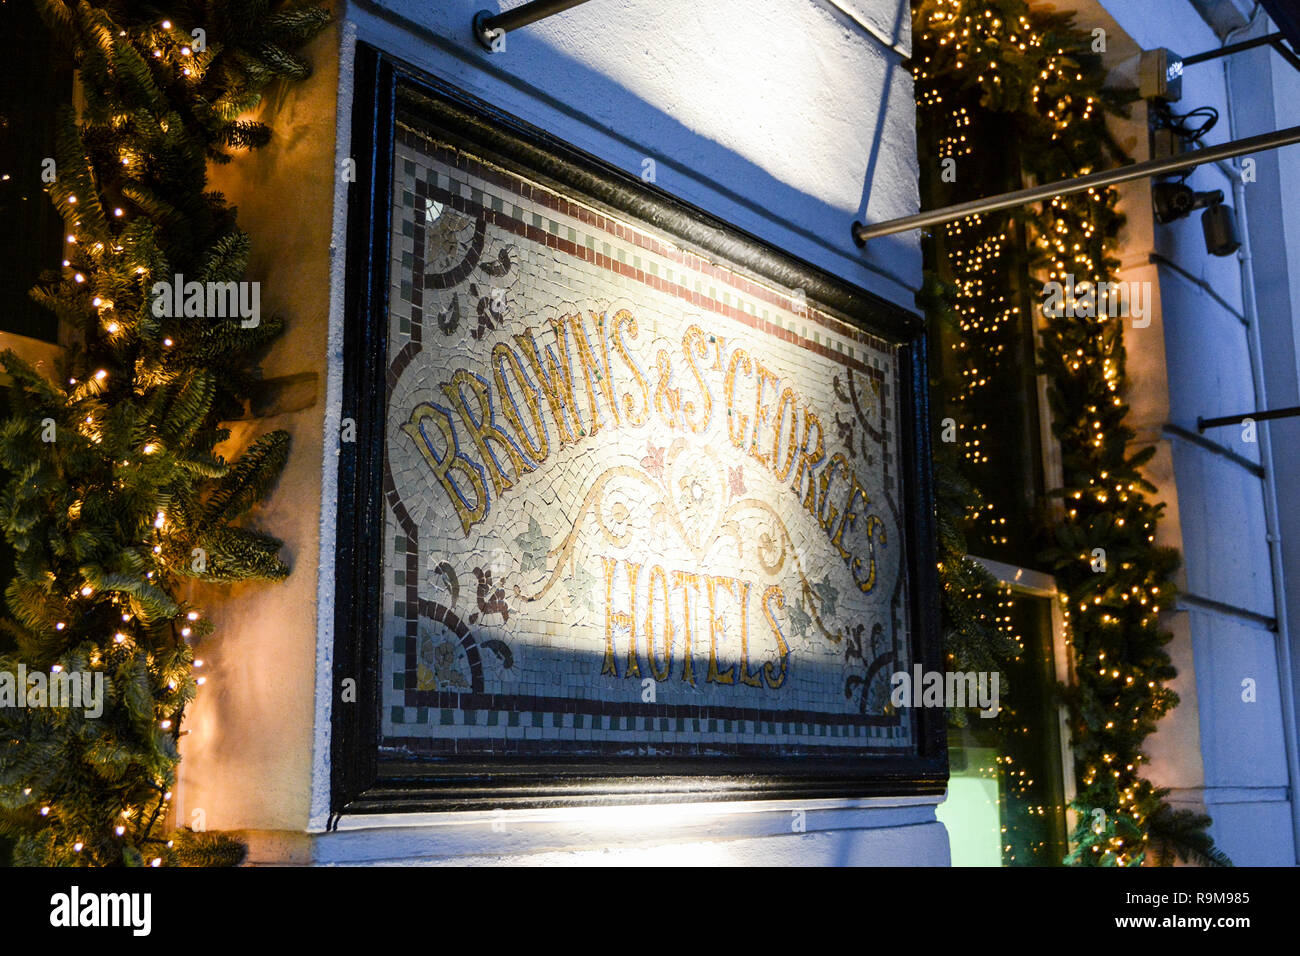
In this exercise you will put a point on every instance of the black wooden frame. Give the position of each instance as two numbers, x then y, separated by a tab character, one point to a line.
361	782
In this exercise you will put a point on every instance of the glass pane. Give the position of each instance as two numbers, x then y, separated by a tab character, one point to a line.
31	90
1006	799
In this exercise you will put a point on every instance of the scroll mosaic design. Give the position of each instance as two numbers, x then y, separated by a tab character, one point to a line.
636	502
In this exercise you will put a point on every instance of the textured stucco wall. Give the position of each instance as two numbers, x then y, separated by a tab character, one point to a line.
247	758
789	119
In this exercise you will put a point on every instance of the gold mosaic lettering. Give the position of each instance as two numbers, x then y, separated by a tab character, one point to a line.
873	524
693	345
809	462
633	576
557	386
666	399
503	354
747	678
682	579
657	574
625	319
764	375
451	461
849	520
482	430
782	471
737	434
597	374
774	677
715	676
827	510
615	619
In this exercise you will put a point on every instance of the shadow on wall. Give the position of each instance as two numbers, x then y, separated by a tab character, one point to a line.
684	162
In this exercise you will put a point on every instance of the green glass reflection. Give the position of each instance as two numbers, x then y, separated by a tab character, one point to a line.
1006	800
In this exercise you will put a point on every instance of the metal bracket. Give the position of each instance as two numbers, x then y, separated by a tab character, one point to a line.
482	32
490	27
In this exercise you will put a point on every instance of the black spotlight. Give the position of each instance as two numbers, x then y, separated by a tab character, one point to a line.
1220	229
1175	200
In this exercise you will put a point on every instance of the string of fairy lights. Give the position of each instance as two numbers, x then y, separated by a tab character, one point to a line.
94	263
974	61
127	511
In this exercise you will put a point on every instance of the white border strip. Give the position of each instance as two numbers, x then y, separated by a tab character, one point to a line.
617	813
325	581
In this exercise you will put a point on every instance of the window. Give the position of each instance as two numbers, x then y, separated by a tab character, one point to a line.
1009	789
32	239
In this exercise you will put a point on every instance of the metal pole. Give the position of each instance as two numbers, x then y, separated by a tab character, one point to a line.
1204	423
489	26
1285	53
1268	40
1122	174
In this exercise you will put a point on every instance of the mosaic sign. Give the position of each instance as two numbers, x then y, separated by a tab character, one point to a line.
636	502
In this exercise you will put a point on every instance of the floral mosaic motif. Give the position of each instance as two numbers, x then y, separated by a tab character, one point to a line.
438	660
502	265
446	243
845	431
736	476
869	686
534	546
455	250
699	499
800	620
692	501
453	247
491	599
827	594
653	462
491	312
580	585
446	575
502	650
449	318
443	658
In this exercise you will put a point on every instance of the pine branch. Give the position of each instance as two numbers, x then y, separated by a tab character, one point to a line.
111	471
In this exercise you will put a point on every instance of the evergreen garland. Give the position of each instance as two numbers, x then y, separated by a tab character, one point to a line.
998	64
116	497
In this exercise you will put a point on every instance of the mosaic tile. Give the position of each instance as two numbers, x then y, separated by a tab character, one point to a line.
635	499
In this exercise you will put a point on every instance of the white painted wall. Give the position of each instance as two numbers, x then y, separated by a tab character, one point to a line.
787	118
1218	753
247	757
879	832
